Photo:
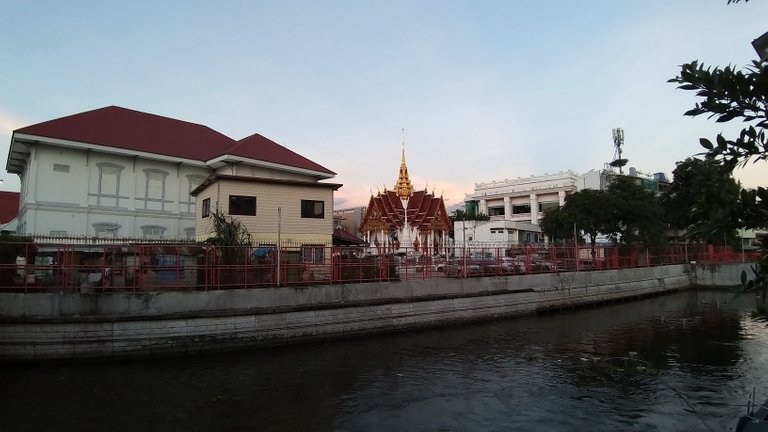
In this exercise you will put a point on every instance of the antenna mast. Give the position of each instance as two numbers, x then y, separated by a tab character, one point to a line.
618	142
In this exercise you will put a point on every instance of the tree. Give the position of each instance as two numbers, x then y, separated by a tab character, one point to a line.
556	225
727	94
590	210
636	218
703	200
230	235
587	211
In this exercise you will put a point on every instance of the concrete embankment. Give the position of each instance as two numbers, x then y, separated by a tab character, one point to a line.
721	275
81	325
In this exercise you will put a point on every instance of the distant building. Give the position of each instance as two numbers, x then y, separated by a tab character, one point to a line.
600	179
349	219
9	209
516	206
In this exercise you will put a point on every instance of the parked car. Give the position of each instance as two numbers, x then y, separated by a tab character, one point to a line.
471	267
533	264
439	265
509	265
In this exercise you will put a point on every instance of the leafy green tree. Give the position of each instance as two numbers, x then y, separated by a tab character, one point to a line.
590	210
635	217
556	225
727	94
703	200
587	211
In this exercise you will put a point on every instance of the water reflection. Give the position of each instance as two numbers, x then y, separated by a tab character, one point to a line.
699	353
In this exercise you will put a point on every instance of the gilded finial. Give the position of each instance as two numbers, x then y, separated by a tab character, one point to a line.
403	187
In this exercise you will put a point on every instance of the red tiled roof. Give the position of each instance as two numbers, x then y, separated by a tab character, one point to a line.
127	129
425	212
123	128
342	236
9	206
260	148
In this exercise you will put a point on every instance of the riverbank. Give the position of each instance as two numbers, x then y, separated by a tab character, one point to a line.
37	326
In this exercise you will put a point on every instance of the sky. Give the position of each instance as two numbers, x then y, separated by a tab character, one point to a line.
478	91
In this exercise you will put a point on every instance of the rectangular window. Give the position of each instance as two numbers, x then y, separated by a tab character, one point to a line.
312	209
521	208
242	205
312	254
155	182
495	211
206	207
545	206
168	267
108	180
61	168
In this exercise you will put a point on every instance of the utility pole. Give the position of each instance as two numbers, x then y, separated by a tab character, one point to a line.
279	246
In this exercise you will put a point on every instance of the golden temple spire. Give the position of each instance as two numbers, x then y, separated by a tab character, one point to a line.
403	187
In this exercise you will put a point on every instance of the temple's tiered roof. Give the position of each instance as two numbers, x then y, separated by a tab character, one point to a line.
389	210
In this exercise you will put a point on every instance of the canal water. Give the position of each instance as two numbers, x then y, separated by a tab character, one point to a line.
679	362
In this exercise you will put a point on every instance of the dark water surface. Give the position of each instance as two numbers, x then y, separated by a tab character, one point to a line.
698	354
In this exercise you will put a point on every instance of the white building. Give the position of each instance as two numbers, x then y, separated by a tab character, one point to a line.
115	172
514	207
600	179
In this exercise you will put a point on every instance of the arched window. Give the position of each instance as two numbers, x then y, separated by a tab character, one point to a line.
106	229
153	231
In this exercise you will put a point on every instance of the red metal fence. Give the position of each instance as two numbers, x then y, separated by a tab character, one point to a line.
29	267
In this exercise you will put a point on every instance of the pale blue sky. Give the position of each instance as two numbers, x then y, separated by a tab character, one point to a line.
485	90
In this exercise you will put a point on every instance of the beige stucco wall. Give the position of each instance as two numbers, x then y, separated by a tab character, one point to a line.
270	197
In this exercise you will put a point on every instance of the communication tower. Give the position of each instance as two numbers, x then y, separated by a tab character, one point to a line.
618	142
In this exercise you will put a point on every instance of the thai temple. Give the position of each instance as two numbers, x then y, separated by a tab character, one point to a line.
403	220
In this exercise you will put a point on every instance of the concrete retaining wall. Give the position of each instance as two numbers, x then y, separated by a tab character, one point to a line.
67	325
721	275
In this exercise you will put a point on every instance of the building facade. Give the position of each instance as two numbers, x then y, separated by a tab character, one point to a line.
600	179
514	208
349	219
286	212
115	172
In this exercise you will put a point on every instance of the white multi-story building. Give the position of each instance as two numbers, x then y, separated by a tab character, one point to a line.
515	207
115	172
